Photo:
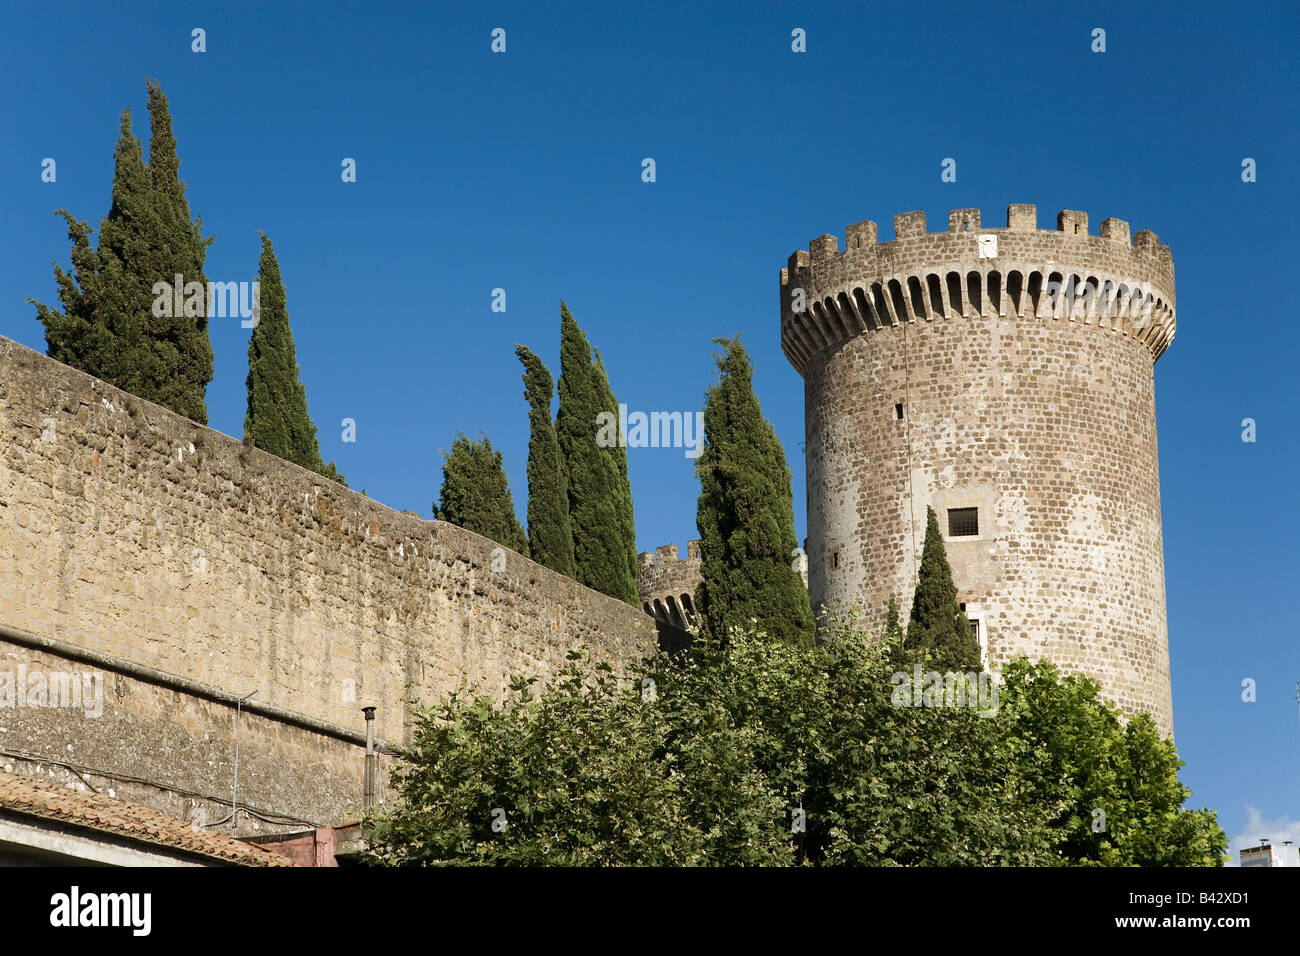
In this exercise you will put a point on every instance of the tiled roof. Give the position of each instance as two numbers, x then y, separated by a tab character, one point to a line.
104	814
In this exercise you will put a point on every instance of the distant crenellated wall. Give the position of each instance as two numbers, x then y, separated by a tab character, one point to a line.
667	584
1003	377
187	568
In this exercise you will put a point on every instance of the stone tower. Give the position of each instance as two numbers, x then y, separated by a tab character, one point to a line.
667	583
1003	377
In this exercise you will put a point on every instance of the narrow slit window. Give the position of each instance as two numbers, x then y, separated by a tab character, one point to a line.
898	411
963	522
835	559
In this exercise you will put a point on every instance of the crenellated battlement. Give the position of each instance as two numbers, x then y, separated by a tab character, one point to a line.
1115	281
667	582
665	553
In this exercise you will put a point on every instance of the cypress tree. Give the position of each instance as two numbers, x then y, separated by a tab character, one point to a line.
476	494
746	514
277	420
937	623
550	537
894	631
626	543
93	333
111	326
598	502
181	340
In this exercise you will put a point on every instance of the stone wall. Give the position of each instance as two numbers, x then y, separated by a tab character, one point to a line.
136	534
940	370
667	583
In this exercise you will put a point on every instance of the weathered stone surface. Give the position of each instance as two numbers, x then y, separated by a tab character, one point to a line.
128	530
666	583
1037	410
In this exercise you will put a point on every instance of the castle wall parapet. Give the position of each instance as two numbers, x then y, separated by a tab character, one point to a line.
1014	272
666	583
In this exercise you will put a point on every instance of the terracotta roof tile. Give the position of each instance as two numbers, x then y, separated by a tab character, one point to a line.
96	811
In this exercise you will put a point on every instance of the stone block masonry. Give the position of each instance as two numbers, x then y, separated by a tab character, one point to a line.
666	583
1005	378
134	534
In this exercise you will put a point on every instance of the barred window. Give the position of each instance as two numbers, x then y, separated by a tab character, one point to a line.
963	522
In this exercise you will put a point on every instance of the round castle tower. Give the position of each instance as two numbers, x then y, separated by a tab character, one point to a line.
1003	377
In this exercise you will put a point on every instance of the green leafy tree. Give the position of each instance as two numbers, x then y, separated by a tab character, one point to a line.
877	784
604	547
550	536
476	494
115	324
938	627
757	751
577	777
745	514
277	420
1123	803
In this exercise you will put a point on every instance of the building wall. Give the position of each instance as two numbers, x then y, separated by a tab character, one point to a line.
130	531
1042	417
175	751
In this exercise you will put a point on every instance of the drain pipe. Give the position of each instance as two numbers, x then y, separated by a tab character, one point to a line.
370	760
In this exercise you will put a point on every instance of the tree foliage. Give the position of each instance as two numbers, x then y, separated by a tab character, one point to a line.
550	536
625	542
1121	779
763	752
277	419
745	514
938	626
600	503
579	777
109	326
476	494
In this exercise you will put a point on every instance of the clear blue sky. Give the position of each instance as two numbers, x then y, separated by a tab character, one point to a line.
522	171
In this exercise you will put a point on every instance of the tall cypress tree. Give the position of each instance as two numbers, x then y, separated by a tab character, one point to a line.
893	630
626	544
277	420
115	325
937	623
550	537
181	340
595	484
97	330
746	514
476	494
